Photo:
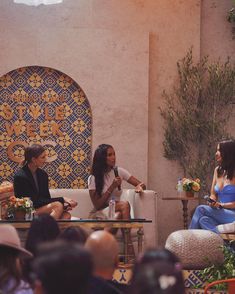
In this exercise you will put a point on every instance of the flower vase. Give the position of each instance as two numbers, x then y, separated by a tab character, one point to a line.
189	194
19	215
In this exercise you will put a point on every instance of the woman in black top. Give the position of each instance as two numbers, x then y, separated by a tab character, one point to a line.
31	181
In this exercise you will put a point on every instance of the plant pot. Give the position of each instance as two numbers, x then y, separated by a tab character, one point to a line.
19	215
189	194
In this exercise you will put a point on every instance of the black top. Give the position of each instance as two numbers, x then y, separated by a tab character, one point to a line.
99	285
24	186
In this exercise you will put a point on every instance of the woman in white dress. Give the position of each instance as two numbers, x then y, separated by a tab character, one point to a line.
105	182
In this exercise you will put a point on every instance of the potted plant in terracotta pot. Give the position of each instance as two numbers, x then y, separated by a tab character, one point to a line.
17	208
190	186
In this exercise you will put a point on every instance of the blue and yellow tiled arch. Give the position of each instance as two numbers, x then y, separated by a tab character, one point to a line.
43	105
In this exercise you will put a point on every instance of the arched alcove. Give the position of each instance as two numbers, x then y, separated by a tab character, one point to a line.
43	105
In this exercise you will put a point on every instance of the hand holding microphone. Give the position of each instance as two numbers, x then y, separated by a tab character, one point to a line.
115	169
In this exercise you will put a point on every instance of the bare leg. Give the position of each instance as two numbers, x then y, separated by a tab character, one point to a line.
113	231
124	208
66	215
55	209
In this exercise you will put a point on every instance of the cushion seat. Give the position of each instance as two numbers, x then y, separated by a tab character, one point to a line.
196	249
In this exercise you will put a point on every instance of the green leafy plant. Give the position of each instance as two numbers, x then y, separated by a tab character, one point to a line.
196	115
221	271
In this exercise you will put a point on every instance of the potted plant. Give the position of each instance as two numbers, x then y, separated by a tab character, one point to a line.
17	208
193	120
190	186
221	271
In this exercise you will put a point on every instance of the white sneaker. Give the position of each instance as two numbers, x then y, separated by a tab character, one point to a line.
75	218
226	228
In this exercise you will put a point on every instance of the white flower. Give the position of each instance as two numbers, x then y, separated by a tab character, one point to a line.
27	204
166	281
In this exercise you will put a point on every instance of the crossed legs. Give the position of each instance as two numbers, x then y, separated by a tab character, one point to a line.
55	209
207	218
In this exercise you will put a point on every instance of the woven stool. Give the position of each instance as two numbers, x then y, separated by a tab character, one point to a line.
196	249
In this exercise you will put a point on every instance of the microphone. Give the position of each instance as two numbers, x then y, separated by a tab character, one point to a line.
115	169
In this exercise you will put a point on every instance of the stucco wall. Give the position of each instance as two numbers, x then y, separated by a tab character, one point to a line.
123	54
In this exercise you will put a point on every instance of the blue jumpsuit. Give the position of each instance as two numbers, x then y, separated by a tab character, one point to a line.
207	218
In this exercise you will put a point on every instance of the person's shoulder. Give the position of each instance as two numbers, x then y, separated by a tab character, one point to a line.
91	179
42	172
100	285
124	173
21	172
121	169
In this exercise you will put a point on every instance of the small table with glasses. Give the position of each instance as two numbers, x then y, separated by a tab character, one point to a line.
126	225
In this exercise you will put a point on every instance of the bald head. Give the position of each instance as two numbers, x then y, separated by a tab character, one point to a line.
104	250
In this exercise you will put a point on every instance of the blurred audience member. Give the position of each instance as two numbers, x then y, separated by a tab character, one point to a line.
104	250
62	268
43	228
10	253
157	272
74	234
153	254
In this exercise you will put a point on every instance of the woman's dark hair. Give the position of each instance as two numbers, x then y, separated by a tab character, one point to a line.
158	255
74	234
63	268
227	165
9	268
43	228
99	166
160	277
34	150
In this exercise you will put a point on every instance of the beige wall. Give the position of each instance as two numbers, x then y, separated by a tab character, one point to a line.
123	54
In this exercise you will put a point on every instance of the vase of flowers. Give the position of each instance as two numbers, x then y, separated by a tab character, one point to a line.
190	186
17	208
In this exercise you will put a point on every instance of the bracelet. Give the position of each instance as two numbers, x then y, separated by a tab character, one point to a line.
109	191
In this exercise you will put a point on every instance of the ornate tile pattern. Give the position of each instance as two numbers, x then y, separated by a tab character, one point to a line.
43	105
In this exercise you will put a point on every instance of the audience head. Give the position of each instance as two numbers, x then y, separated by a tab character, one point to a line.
99	165
158	277
33	152
104	250
158	255
74	234
226	150
62	268
157	271
10	252
43	228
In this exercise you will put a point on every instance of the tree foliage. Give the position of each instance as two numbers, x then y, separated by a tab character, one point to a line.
197	113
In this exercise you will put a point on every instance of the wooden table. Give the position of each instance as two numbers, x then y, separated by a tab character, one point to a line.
95	224
184	201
